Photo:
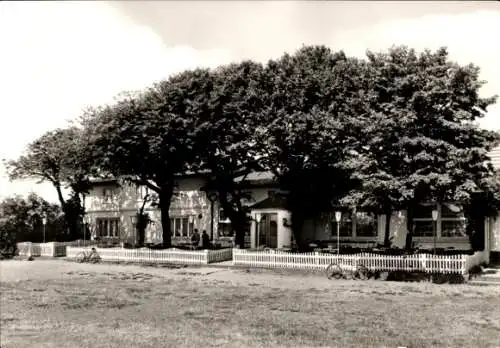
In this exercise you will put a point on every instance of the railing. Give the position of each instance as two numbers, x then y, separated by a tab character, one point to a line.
156	256
458	264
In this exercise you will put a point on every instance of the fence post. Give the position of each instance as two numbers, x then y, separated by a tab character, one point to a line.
423	265
207	256
316	257
465	268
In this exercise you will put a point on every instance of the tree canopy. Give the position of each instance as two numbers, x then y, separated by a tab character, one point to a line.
420	140
386	132
21	220
57	157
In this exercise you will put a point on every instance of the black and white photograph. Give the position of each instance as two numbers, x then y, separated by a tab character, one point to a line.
249	174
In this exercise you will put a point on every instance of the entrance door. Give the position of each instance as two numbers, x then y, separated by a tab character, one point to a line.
268	230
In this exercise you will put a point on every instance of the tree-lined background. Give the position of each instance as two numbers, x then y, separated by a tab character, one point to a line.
386	132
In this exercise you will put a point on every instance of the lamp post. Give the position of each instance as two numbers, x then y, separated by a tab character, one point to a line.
434	229
44	222
258	219
338	216
212	197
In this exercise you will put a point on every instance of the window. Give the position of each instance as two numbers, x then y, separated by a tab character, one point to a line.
366	224
182	226
346	225
108	194
108	227
451	221
222	216
225	228
356	224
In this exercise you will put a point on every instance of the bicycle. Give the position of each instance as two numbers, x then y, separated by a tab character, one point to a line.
334	270
88	256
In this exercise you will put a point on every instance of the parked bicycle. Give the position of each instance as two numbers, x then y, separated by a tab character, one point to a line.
338	270
91	256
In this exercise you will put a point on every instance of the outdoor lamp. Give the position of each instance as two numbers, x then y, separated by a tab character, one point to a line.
258	217
434	229
434	214
44	222
133	219
338	216
212	196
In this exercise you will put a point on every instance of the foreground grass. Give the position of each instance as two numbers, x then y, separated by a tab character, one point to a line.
58	304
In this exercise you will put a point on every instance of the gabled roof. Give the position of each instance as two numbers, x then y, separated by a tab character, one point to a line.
276	201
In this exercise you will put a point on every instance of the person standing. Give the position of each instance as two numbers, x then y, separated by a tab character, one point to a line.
195	239
205	240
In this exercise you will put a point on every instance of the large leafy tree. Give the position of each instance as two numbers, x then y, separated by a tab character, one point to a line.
146	138
227	109
57	157
420	141
315	94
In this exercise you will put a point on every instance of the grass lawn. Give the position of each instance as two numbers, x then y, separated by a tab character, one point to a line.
64	304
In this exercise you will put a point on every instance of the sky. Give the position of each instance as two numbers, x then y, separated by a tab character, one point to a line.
60	57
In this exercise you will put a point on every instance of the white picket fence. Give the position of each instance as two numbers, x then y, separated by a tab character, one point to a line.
79	243
457	264
51	249
198	257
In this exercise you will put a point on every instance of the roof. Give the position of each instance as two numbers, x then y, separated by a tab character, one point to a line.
257	178
276	201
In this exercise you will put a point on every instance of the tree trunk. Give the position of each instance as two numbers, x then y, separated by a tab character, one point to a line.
165	198
387	235
237	217
409	227
59	194
239	229
475	226
297	227
142	222
68	212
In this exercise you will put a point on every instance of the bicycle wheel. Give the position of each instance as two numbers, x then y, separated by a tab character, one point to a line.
333	271
81	256
95	258
362	272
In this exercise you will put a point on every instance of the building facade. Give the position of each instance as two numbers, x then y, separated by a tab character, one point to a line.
112	206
